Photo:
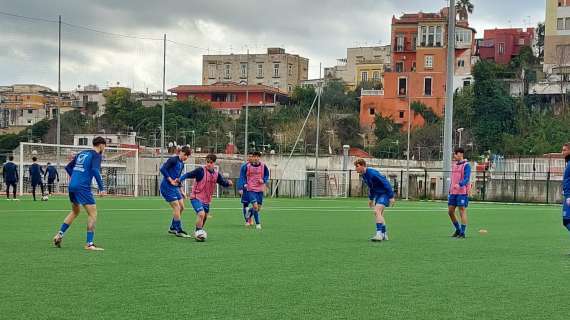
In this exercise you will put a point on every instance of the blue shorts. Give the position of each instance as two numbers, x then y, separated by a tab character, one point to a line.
458	200
81	197
245	198
381	199
199	206
566	208
255	197
170	194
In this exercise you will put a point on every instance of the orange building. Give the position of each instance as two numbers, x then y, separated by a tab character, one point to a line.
418	70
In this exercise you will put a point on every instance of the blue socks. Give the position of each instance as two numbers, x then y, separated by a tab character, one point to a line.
463	228
255	215
176	225
457	227
63	228
380	227
568	227
90	236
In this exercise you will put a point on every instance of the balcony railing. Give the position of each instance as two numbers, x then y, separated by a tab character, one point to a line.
371	92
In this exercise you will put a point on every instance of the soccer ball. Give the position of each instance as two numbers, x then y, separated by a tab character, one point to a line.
45	198
201	235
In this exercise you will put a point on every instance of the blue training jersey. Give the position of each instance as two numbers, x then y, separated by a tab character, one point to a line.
52	173
36	172
85	166
566	180
172	168
10	172
377	184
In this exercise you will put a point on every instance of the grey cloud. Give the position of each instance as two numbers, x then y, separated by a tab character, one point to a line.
319	30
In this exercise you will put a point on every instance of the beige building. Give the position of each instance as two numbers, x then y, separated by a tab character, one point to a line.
350	69
25	105
276	68
557	37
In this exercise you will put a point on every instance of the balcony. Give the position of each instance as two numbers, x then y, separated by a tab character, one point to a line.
371	92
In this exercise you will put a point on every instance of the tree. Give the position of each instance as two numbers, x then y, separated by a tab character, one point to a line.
426	112
464	8
493	106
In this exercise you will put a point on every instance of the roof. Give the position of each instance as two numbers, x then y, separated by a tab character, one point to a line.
224	87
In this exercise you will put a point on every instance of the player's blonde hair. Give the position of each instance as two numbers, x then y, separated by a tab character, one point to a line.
360	162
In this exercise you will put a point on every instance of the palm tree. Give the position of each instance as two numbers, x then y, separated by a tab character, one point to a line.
464	8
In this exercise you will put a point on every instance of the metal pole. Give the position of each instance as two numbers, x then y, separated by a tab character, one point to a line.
163	98
58	139
216	147
320	90
408	150
246	105
448	130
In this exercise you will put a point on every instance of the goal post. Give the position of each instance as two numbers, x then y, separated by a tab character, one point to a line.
329	183
119	166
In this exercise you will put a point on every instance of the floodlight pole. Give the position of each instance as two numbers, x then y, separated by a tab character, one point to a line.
448	124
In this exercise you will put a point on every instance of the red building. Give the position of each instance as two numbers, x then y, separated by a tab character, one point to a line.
501	45
230	97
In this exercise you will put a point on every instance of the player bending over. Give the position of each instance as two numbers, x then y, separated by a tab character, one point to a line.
85	166
203	189
253	177
380	195
458	192
170	189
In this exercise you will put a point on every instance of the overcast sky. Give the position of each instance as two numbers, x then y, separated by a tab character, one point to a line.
319	30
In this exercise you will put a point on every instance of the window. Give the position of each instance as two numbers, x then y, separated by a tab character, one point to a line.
402	113
423	35
290	70
567	23
431	36
460	63
402	86
372	111
414	41
243	70
501	48
400	66
289	88
212	71
82	141
376	76
413	66
260	70
364	76
428	62
466	83
399	42
30	111
227	68
276	70
560	24
438	36
427	86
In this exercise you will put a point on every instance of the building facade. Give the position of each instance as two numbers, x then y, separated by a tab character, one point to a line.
25	105
501	45
231	98
557	37
418	70
360	63
276	68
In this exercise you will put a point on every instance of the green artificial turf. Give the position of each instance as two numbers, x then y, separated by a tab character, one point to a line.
312	260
